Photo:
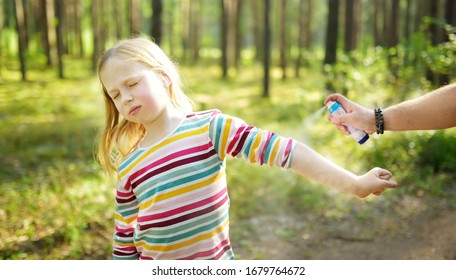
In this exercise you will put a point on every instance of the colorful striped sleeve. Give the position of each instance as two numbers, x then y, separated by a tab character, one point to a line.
232	136
125	220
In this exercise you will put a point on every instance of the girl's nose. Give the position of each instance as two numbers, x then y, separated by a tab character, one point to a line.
127	98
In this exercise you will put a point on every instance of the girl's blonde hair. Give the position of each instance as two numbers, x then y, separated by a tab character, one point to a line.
120	136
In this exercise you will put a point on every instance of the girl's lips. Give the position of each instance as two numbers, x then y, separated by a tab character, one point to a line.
134	110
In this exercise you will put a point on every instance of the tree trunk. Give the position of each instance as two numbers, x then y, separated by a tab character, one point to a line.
96	35
393	36
256	29
308	25
1	41
450	14
408	28
50	33
376	22
223	39
33	10
437	79
59	15
282	39
26	24
232	25
105	22
20	26
386	23
170	27
135	17
420	10
307	31
332	32
436	31
157	9
43	23
267	49
352	10
229	34
195	29
394	27
67	27
186	27
408	17
239	33
78	20
118	22
301	34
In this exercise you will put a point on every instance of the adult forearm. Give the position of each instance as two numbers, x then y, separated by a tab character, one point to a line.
435	110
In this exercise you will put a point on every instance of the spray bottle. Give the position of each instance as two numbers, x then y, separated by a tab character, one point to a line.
336	109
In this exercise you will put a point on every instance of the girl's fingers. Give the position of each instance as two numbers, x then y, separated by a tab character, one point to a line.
386	175
378	193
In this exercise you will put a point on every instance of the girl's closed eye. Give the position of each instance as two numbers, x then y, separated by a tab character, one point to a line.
132	84
115	95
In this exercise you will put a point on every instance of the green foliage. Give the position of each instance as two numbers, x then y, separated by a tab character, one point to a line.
55	203
397	73
440	58
438	152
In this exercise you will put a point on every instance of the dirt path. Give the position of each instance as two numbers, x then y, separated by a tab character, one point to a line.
426	233
431	236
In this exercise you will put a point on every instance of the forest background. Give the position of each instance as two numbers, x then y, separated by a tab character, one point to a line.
269	62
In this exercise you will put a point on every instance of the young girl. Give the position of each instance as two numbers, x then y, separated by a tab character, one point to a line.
172	199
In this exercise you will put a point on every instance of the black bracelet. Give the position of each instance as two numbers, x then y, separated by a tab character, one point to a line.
379	123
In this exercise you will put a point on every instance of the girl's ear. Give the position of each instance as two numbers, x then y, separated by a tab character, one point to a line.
166	80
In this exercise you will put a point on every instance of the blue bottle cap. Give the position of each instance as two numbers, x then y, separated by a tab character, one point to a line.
364	139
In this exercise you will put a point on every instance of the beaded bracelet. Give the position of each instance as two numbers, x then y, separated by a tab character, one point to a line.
379	120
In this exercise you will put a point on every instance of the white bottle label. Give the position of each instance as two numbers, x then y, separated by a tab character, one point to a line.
335	108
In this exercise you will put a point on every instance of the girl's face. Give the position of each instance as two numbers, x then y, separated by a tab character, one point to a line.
137	91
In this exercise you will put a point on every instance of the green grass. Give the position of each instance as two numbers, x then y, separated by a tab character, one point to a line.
55	202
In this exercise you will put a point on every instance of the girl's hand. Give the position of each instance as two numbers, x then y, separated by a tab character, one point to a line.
376	181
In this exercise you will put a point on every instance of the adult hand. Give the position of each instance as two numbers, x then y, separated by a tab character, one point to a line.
357	116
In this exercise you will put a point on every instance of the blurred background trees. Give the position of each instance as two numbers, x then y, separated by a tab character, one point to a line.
234	32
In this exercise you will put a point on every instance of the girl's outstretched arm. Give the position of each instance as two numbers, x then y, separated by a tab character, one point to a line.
312	165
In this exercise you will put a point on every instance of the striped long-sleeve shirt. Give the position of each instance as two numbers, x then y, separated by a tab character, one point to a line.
172	200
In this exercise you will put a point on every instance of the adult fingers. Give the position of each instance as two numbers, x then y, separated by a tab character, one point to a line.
338	121
335	97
